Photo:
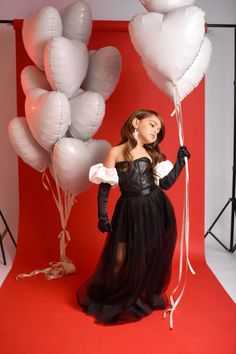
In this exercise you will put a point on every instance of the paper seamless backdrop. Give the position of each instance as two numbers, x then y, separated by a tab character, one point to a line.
68	85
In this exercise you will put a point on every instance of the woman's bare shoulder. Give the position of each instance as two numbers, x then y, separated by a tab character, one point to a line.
118	148
110	159
113	155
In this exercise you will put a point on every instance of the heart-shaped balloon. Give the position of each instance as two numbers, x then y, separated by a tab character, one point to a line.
87	112
164	6
48	116
97	150
26	146
103	71
191	77
72	159
169	43
77	21
32	77
66	64
37	30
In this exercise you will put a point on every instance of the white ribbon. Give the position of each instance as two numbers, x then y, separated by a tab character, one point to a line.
185	219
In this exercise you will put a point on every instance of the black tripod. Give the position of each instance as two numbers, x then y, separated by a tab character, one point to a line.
231	200
2	235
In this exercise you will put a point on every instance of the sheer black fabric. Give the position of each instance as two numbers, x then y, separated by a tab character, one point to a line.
134	269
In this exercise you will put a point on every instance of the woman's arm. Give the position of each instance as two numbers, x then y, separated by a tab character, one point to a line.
168	181
110	159
104	224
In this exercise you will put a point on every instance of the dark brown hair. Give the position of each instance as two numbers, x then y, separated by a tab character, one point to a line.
152	149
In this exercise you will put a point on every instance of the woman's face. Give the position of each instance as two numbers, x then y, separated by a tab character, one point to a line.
148	129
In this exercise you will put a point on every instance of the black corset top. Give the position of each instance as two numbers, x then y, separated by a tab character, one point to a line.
137	179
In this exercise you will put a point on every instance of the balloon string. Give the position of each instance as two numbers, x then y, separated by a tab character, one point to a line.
185	219
56	270
47	185
64	202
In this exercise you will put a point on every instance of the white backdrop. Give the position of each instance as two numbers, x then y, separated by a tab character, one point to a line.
219	99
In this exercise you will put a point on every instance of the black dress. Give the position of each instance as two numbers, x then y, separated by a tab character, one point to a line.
144	219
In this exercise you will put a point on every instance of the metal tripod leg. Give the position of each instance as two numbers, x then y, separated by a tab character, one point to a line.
7	230
232	247
233	213
2	249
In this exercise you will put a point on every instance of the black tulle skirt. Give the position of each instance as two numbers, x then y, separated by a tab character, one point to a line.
145	226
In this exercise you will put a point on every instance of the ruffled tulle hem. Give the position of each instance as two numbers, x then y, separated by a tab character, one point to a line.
112	314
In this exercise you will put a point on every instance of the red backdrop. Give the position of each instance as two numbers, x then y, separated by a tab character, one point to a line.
39	221
40	316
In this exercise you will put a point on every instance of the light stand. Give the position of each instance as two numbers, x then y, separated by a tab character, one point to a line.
2	235
231	200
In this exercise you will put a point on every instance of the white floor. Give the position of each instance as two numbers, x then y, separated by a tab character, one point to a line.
221	262
223	265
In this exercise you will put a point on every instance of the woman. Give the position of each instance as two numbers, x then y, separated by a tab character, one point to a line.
134	269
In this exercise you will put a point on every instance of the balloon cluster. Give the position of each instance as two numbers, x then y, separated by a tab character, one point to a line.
175	53
171	41
65	93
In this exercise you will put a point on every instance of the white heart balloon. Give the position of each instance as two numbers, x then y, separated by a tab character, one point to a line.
77	21
87	112
103	71
26	146
97	150
72	159
169	43
195	73
32	77
71	164
48	116
191	77
37	30
66	64
164	6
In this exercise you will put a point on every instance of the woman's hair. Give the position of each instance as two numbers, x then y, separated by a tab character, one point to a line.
152	149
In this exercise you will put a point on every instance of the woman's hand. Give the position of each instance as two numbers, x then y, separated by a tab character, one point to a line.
167	181
183	152
104	224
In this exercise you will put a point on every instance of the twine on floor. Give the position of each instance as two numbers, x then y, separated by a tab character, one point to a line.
64	202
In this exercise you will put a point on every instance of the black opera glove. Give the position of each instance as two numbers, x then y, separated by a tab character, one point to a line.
104	224
168	181
183	152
